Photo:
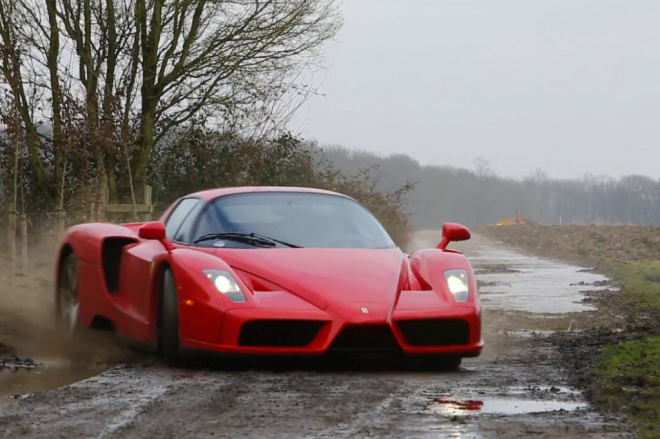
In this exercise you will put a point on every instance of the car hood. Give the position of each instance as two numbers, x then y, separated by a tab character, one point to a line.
326	276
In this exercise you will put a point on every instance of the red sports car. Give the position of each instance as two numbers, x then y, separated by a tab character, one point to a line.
270	270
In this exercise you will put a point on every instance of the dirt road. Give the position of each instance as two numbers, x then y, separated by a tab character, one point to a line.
516	389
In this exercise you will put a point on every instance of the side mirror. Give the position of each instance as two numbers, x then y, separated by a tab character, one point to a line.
452	232
154	230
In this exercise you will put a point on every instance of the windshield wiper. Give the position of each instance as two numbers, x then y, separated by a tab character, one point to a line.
288	244
249	238
240	237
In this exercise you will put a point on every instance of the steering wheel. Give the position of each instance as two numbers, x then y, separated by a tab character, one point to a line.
351	240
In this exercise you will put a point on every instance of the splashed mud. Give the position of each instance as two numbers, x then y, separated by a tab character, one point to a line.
35	353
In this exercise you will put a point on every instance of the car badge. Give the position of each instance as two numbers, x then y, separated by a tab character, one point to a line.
365	310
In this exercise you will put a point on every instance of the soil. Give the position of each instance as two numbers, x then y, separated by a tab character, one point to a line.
582	244
519	387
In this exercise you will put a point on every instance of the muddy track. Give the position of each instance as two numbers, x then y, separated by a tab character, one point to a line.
516	389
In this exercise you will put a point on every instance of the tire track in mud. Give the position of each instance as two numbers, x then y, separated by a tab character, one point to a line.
118	396
191	405
135	406
518	380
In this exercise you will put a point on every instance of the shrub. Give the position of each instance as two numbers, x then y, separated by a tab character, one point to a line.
205	159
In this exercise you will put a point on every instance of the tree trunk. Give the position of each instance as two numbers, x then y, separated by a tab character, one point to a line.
11	236
145	145
56	92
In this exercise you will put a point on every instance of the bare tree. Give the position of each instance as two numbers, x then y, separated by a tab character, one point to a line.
482	167
202	58
11	68
172	64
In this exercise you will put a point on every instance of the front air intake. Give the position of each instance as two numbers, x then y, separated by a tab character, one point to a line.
435	332
365	338
279	333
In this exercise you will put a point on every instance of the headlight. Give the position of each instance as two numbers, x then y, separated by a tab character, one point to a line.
458	283
226	284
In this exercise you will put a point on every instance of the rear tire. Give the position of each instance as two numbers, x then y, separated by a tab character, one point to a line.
169	339
442	363
67	306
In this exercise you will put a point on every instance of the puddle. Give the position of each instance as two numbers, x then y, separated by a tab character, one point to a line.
50	375
501	406
532	284
516	400
538	389
530	334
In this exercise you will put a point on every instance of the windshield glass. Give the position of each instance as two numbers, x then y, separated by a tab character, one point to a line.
302	219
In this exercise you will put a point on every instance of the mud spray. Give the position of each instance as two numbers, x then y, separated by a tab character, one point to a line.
35	352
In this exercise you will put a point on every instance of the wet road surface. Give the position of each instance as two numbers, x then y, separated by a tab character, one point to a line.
516	389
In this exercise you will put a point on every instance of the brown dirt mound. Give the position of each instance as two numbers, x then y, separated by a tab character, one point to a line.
585	244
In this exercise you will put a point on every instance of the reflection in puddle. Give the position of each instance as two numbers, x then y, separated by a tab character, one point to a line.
50	376
501	406
469	405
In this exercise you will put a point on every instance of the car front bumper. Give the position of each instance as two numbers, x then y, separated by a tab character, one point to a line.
258	331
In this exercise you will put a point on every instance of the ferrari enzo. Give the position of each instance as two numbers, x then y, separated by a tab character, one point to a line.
269	271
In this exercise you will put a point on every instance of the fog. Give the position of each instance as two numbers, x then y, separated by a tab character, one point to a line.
567	86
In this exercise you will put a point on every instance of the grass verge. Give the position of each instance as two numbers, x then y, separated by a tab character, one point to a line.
628	378
627	375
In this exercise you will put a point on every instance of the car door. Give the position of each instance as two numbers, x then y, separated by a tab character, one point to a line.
136	277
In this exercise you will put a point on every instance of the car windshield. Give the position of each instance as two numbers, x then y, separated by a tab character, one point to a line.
299	219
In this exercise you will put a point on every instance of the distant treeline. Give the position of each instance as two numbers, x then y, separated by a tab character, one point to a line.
476	196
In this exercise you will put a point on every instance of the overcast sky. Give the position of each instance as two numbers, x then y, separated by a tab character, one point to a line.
570	86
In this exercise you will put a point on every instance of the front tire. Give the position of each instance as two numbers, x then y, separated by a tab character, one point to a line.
169	339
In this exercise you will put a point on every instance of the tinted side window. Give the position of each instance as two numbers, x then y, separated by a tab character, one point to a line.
185	231
179	214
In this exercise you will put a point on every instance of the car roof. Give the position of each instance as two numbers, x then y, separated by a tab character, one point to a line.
210	194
